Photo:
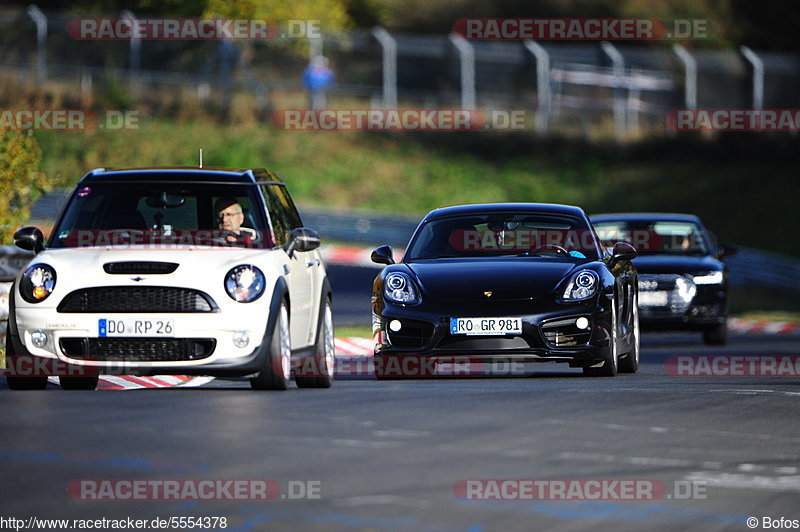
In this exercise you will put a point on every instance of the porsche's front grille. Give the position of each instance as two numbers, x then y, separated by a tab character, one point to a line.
137	299
138	349
564	333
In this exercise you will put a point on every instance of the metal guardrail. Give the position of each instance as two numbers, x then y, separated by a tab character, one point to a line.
12	260
754	267
363	227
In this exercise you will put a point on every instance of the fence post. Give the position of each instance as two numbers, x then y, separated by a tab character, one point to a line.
467	58
690	67
315	46
544	99
389	47
135	50
758	76
40	20
618	66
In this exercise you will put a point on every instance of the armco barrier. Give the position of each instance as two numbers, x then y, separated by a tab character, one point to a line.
12	260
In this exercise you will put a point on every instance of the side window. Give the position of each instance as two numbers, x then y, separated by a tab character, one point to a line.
280	223
290	211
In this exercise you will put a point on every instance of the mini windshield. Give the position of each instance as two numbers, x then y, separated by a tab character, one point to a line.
654	236
126	213
524	234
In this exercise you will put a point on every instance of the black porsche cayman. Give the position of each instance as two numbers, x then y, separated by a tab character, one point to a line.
513	282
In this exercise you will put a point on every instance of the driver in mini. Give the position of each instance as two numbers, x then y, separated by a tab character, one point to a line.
230	217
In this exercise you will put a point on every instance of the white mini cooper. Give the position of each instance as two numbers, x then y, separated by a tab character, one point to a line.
155	271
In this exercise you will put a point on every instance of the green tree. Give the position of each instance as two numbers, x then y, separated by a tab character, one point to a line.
20	180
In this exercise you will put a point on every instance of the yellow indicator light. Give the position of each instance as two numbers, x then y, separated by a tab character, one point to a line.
39	292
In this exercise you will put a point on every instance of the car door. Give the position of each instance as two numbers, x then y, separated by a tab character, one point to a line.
301	266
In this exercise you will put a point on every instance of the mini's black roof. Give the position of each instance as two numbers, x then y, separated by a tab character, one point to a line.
481	208
182	173
645	217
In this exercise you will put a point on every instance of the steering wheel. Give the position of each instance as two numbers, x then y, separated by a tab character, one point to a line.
555	247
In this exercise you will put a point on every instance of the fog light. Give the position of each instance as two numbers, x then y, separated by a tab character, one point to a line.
582	323
39	338
395	325
241	339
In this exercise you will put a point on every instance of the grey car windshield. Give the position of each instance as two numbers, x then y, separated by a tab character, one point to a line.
654	236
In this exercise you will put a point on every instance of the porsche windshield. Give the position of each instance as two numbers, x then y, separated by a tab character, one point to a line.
524	234
125	213
654	236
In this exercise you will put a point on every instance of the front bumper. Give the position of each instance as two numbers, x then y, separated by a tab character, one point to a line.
708	308
549	333
200	343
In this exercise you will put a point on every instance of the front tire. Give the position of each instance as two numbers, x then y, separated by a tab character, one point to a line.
277	369
630	363
14	363
716	335
324	359
610	366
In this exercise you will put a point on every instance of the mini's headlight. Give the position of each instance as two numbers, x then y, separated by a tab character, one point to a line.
37	283
582	285
708	278
399	288
245	283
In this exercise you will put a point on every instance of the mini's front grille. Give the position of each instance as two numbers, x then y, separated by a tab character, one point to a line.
137	299
138	349
413	334
564	333
140	268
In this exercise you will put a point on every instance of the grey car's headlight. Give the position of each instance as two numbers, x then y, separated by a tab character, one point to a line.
582	285
37	283
708	278
245	283
399	288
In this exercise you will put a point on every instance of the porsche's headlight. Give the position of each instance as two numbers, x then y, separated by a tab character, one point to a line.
245	283
399	288
582	285
37	283
708	278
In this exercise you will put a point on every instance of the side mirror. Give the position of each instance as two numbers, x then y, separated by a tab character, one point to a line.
383	255
727	250
30	239
622	251
302	239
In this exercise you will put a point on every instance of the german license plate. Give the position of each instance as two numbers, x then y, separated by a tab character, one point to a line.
653	299
485	326
135	327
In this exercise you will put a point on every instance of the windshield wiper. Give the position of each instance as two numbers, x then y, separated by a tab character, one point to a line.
435	257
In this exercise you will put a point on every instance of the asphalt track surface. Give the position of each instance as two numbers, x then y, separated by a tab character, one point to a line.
387	455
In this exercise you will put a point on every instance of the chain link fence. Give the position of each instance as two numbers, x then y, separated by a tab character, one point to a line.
583	88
